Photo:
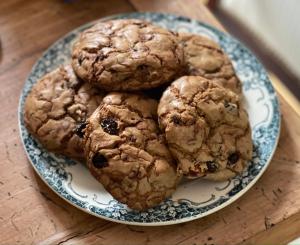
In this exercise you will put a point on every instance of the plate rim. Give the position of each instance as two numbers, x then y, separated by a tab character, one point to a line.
159	223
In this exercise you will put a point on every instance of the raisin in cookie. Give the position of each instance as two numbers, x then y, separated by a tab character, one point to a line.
205	58
126	152
55	106
206	128
127	55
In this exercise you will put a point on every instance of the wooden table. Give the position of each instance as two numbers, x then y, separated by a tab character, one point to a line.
31	213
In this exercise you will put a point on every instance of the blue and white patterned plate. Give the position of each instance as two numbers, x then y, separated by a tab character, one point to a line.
192	200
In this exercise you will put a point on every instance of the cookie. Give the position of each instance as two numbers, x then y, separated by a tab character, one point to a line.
126	152
206	128
127	55
57	103
204	57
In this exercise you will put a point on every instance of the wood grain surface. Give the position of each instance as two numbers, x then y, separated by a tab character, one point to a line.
31	213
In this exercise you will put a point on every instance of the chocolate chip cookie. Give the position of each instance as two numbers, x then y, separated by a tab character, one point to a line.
127	55
206	128
56	105
126	152
205	58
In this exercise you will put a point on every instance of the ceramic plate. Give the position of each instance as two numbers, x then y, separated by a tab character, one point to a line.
192	200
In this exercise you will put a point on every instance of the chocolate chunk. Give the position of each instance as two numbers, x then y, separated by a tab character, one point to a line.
110	126
212	166
230	107
80	129
80	60
233	158
132	138
176	119
143	70
99	161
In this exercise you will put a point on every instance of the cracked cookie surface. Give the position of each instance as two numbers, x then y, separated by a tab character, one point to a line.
127	55
126	152
204	57
55	106
206	128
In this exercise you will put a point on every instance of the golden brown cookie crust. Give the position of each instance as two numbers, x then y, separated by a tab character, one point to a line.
127	153
55	106
206	128
127	55
204	57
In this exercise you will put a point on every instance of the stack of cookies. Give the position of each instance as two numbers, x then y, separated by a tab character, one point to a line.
143	106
